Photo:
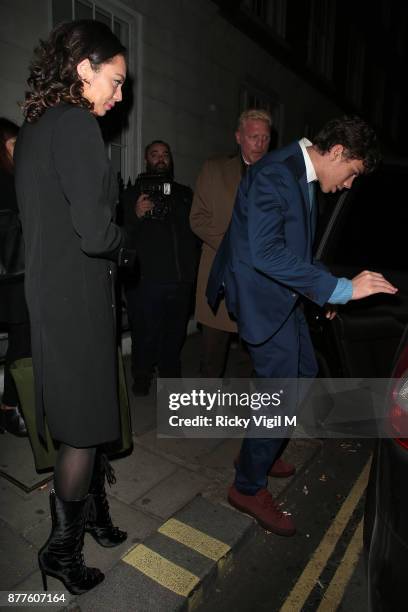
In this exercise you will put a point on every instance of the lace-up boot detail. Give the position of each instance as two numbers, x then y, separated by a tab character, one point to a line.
61	556
99	522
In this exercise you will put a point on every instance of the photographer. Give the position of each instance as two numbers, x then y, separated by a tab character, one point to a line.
159	292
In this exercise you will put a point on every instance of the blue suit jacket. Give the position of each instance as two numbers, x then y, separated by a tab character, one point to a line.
265	260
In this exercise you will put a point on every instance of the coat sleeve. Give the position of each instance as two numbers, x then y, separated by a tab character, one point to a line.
202	215
267	208
82	166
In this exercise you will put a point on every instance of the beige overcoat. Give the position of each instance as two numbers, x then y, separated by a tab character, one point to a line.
211	212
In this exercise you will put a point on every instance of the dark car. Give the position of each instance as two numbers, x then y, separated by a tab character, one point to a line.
386	510
367	228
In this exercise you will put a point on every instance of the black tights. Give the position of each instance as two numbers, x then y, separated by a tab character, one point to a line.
73	472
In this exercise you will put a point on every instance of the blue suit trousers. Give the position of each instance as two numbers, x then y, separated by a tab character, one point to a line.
288	353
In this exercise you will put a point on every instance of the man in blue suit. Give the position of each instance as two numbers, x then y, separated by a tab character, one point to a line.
265	268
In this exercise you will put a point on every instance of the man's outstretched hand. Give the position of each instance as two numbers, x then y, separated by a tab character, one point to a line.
368	283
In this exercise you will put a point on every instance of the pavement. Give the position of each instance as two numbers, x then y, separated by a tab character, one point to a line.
170	496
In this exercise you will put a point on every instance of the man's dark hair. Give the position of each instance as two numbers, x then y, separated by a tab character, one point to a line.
155	142
161	142
355	135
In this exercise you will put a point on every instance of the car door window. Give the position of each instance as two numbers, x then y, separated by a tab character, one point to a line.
372	229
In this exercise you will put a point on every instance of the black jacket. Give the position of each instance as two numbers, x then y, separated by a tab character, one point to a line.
67	195
167	249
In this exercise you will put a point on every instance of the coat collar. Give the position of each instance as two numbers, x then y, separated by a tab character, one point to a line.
233	171
297	165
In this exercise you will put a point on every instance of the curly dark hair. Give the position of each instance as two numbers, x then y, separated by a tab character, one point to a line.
357	137
53	75
8	130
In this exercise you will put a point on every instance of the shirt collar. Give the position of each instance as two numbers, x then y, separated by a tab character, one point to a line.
310	171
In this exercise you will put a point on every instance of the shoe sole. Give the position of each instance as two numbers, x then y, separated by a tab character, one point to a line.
110	545
282	475
71	590
275	530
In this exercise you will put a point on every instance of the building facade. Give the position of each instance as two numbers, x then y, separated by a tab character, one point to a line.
195	64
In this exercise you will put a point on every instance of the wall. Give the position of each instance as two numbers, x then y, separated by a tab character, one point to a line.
22	23
193	66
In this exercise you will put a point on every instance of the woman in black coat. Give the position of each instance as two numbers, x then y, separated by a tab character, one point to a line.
67	195
13	309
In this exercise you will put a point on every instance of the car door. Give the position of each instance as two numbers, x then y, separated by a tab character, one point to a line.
365	229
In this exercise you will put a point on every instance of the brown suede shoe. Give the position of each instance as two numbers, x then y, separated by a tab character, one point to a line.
265	509
279	469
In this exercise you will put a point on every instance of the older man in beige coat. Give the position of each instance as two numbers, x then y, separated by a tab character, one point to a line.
211	213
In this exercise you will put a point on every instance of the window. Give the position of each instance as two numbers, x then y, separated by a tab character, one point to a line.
377	94
396	116
309	130
371	229
115	125
355	68
254	97
385	13
321	37
257	8
270	12
276	16
401	34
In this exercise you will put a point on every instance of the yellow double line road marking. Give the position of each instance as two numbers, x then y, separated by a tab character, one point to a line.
335	591
183	582
165	572
318	561
193	538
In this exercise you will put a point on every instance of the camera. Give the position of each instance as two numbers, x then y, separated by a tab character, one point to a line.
158	187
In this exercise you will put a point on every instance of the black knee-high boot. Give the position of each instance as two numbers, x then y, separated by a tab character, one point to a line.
61	556
99	523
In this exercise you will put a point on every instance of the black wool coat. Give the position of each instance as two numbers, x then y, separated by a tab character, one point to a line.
67	195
